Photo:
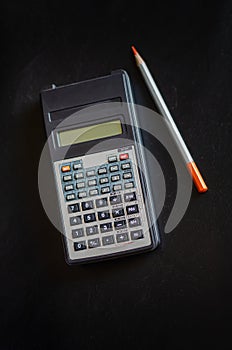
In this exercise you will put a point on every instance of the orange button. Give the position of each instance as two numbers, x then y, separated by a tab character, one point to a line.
124	156
65	168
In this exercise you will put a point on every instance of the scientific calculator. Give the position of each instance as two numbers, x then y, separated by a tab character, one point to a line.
103	189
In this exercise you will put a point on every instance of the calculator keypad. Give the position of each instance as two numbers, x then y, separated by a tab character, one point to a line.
107	208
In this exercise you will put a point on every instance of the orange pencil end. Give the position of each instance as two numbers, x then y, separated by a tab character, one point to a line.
134	50
197	178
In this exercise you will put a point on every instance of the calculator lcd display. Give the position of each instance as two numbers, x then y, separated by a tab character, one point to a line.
89	133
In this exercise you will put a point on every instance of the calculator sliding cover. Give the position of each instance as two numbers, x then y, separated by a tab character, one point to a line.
103	189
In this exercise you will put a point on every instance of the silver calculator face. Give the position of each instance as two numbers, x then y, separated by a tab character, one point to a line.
102	204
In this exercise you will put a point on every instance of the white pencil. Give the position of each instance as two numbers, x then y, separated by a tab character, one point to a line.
163	109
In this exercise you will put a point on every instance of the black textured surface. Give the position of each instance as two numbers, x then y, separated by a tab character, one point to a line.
178	296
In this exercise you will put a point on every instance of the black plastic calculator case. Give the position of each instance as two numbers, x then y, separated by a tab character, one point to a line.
103	189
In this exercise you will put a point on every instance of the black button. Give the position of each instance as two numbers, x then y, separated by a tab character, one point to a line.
128	197
67	178
127	175
94	243
133	222
105	190
87	205
79	245
69	187
106	227
118	225
73	208
117	212
112	159
115	178
129	185
125	166
122	237
136	234
102	171
117	199
102	202
108	240
77	166
90	172
79	232
132	209
70	197
90	217
75	220
113	168
103	215
92	230
104	180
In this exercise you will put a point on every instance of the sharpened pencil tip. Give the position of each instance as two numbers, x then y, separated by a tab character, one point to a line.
134	50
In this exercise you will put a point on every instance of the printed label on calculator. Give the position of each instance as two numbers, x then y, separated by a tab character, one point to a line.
102	204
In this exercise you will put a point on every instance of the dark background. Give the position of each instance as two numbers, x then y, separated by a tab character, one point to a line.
178	296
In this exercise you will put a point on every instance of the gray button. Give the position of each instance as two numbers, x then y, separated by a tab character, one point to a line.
93	243
117	199
73	208
91	230
101	202
136	234
118	212
118	225
133	222
108	240
122	237
78	232
75	220
128	197
106	227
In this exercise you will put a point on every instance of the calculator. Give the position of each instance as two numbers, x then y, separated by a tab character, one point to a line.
102	182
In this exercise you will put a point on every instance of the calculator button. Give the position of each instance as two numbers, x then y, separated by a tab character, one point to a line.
105	190
77	166
73	208
136	234
117	187
90	173
102	171
132	209
87	205
77	233
89	217
67	178
124	156
82	194
106	227
92	230
115	178
79	245
80	185
70	197
65	168
79	176
133	222
127	175
94	243
128	197
68	187
107	240
112	159
103	215
118	225
75	220
94	192
116	199
92	182
129	185
125	166
122	237
104	180
113	168
118	212
101	202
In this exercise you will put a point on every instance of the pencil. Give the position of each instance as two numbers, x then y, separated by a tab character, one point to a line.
163	109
